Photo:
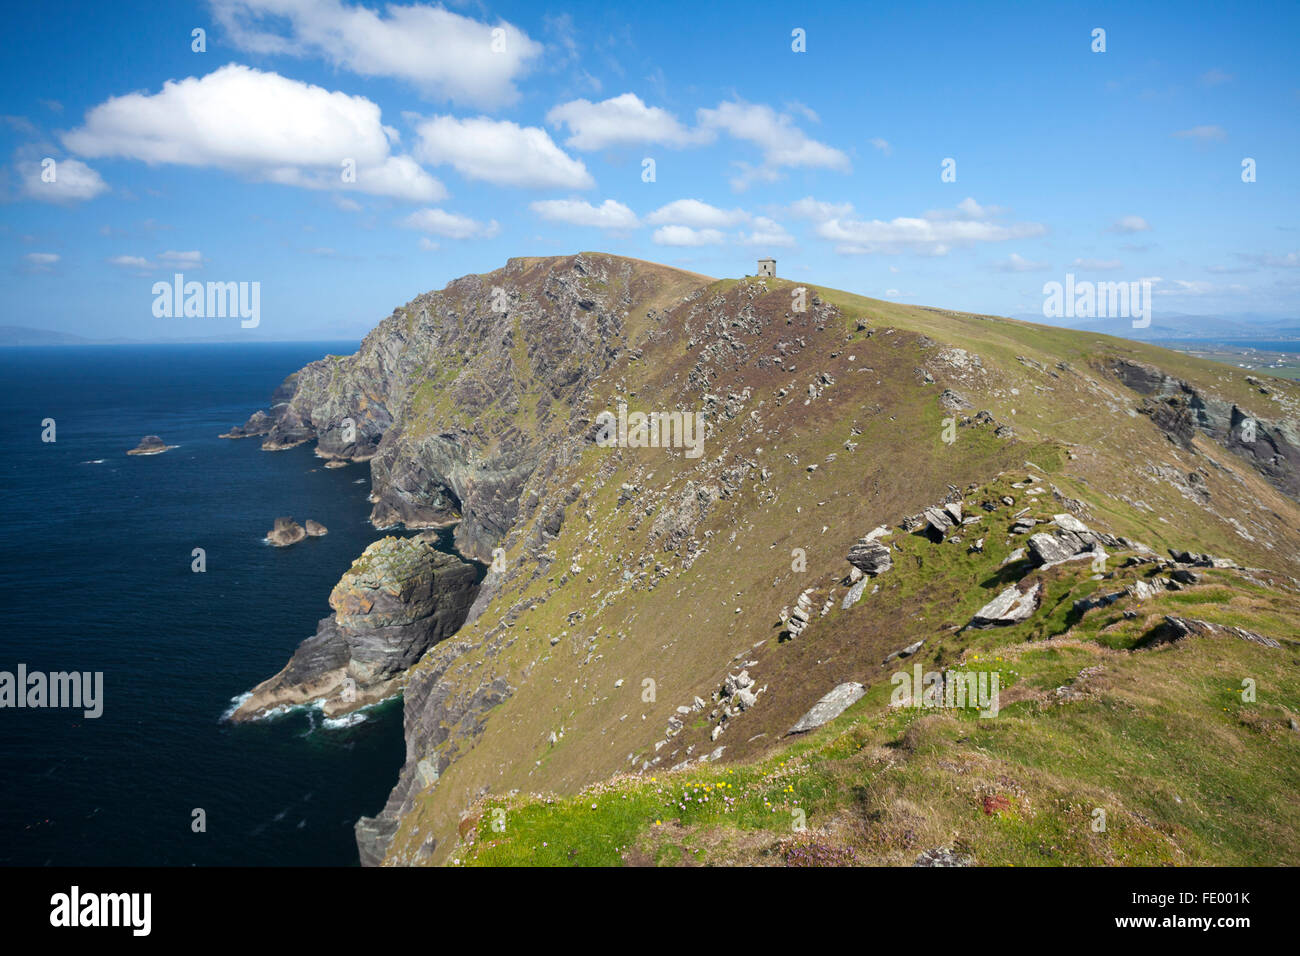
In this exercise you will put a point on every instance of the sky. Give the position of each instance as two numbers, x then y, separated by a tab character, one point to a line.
347	157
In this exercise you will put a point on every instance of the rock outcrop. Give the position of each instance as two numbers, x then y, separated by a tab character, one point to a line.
1181	410
150	445
286	532
1010	607
840	699
315	529
401	597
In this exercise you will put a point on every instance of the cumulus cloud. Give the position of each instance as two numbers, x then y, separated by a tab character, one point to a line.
1130	224
686	236
767	233
783	144
73	181
694	212
621	121
817	211
443	54
451	225
935	233
578	212
882	145
257	124
1098	265
500	152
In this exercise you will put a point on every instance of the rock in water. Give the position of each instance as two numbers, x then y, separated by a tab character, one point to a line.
1009	607
315	529
399	598
829	707
150	445
286	532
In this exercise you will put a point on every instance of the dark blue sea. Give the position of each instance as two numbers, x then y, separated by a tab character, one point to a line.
95	575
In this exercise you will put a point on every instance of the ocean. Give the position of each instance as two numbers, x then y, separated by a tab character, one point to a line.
96	576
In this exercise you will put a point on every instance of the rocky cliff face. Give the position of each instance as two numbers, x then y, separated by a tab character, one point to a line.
399	598
825	416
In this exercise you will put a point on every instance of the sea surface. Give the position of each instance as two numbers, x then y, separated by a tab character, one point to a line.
96	575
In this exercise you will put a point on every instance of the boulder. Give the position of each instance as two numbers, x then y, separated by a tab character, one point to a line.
1010	607
871	557
829	707
315	529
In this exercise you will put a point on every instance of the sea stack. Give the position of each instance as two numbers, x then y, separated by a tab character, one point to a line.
150	445
399	598
286	532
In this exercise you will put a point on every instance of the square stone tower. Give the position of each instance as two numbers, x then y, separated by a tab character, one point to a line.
767	267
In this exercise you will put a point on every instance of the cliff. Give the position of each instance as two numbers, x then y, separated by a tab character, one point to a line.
650	610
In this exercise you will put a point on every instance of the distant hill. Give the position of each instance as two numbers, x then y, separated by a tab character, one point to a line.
11	335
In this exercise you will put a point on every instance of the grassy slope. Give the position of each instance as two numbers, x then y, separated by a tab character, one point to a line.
871	779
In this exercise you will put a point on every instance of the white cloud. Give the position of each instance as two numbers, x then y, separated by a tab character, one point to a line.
74	181
451	225
817	211
694	212
1130	224
937	233
1289	261
182	260
882	145
131	262
500	152
769	234
1098	265
443	54
783	144
170	260
40	261
621	121
577	212
428	245
686	236
1203	134
1018	263
260	125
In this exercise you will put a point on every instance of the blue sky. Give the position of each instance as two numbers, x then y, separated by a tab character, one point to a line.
228	165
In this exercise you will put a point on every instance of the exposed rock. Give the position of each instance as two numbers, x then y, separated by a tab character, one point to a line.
1010	607
1177	628
315	529
907	651
397	600
829	707
870	556
286	532
943	856
150	445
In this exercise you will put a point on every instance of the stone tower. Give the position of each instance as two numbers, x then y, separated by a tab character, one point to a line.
767	267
